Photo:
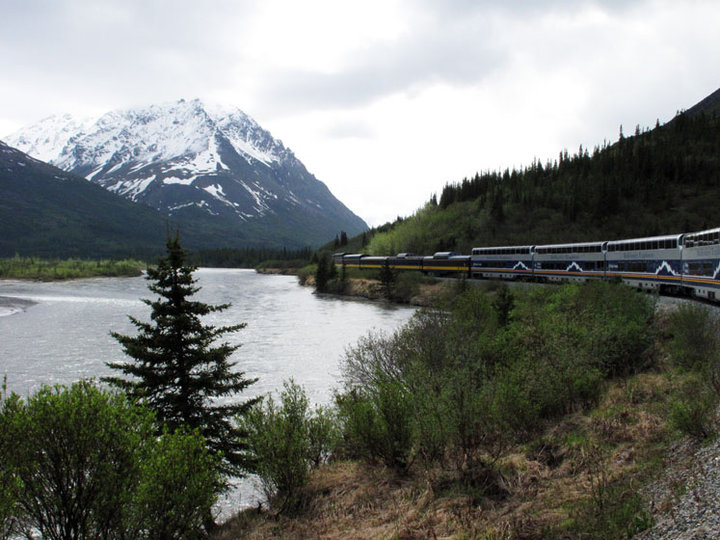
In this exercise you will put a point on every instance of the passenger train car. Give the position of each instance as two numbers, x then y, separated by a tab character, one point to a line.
502	262
679	263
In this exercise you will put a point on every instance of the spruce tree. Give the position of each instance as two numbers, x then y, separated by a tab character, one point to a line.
178	371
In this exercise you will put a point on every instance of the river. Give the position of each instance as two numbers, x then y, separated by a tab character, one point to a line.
59	332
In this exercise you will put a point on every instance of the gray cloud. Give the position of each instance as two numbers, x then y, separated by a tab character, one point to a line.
457	53
458	42
350	130
120	50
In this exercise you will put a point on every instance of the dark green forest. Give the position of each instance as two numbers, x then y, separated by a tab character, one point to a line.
656	181
251	257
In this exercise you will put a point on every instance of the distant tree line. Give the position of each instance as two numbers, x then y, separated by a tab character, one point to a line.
247	257
657	168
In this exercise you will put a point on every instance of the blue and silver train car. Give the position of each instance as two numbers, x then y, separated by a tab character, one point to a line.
510	262
701	263
570	262
647	263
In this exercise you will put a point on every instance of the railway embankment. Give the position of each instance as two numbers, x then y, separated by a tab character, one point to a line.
426	294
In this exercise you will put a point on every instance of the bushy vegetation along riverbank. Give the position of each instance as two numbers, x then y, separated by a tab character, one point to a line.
531	412
399	287
517	414
59	269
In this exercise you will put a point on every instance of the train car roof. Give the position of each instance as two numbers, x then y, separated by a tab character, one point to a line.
504	247
573	244
646	239
445	254
706	231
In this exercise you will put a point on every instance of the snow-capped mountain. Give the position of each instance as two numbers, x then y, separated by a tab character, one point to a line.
190	159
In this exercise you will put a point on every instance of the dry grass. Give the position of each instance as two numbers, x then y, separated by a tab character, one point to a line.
571	465
556	484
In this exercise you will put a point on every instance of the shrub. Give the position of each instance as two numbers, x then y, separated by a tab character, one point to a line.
285	441
177	487
466	381
306	272
85	463
377	423
407	285
11	515
692	411
695	342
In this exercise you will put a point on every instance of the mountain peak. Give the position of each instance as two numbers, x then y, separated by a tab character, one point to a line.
189	156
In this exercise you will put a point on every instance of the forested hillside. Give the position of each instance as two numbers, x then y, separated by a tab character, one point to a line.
657	181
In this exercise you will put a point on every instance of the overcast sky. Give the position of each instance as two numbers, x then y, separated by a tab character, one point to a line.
383	100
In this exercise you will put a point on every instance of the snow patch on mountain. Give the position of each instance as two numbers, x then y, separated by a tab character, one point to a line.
46	139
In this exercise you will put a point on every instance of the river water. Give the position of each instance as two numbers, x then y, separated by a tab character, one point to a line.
59	332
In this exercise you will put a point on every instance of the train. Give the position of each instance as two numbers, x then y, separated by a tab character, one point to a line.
683	263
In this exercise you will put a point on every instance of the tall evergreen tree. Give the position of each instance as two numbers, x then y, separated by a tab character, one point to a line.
177	371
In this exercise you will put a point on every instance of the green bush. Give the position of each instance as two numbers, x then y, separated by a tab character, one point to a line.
306	272
462	383
692	412
377	424
285	441
176	490
695	342
85	463
407	285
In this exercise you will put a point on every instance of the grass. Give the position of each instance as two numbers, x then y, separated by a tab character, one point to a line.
578	472
580	476
57	269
